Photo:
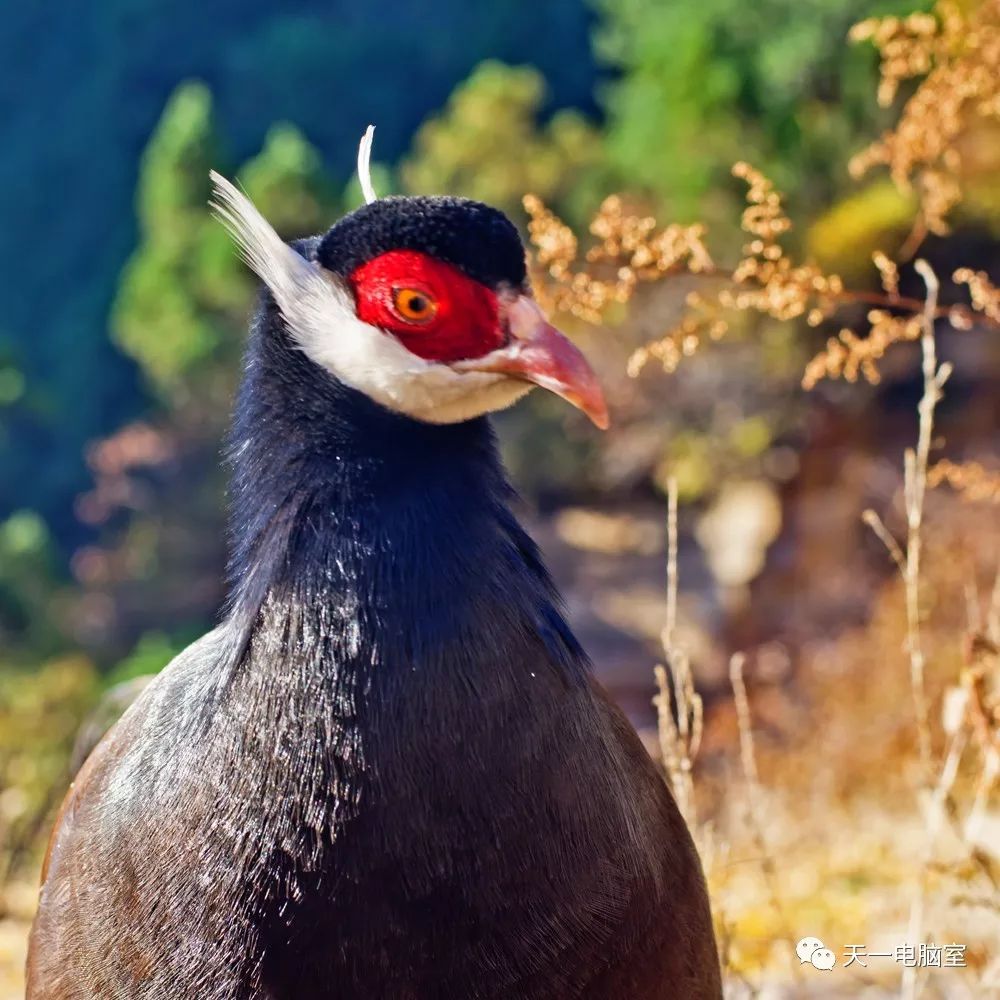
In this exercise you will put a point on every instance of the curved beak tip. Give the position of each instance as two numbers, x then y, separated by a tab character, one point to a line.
587	398
600	418
556	364
541	354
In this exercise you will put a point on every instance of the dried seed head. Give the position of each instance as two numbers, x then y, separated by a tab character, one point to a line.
985	295
972	480
958	54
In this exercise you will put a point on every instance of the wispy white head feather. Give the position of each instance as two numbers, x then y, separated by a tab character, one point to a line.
365	165
320	315
303	291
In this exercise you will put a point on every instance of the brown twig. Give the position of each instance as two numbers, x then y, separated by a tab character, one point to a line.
877	525
915	488
679	709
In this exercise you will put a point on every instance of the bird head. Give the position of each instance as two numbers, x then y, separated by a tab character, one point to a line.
420	303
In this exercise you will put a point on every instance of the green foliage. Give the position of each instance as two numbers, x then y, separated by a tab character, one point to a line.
184	296
161	317
173	171
29	609
672	114
11	385
40	712
383	179
703	85
488	144
151	654
287	182
876	217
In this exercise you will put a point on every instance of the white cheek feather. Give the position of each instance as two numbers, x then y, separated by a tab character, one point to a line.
320	316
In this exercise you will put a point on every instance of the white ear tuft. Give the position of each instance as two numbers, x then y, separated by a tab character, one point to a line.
306	296
262	248
365	165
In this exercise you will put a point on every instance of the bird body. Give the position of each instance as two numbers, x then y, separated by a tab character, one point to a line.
388	772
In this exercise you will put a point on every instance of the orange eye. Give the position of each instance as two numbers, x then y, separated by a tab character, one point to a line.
414	305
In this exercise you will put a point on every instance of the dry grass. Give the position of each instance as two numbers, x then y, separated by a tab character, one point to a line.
679	708
864	821
875	823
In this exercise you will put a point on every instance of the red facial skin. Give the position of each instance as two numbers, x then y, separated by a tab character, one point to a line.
466	321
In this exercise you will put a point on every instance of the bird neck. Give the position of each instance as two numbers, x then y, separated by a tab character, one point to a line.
339	506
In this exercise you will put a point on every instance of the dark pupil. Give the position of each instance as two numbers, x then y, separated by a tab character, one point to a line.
417	303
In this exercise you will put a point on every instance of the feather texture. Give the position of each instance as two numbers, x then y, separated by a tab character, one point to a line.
365	165
388	772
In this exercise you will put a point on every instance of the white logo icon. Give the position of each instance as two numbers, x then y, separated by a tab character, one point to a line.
813	951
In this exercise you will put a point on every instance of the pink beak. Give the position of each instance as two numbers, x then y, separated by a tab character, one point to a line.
539	353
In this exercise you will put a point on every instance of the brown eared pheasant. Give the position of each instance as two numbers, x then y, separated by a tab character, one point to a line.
388	773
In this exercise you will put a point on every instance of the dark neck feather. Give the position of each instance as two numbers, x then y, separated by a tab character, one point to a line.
336	499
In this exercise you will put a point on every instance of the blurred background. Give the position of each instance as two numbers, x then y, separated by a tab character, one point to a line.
125	313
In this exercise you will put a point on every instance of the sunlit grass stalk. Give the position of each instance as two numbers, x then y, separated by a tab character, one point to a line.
679	709
908	561
915	488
